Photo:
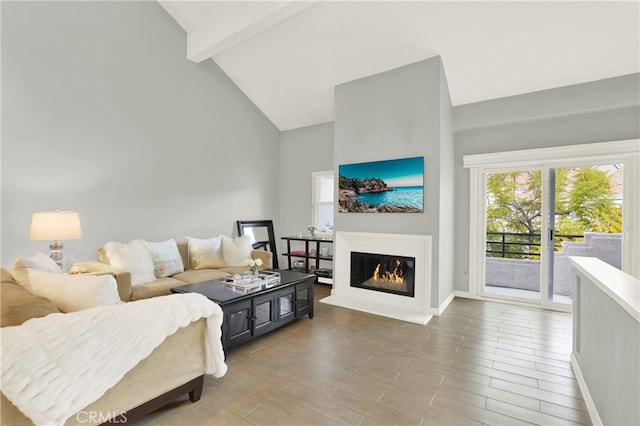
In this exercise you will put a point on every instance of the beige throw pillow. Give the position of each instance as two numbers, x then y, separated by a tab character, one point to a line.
72	293
132	257
166	258
40	262
205	254
236	251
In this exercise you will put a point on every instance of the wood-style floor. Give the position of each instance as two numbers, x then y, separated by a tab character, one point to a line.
478	363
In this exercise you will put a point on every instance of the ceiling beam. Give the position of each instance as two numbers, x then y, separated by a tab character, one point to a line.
219	35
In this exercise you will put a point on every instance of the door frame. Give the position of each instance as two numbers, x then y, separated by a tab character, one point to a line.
626	152
482	236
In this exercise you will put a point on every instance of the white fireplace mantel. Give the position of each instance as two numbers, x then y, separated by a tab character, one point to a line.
415	309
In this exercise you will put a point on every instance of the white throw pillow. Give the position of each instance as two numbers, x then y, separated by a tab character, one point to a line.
40	262
166	258
133	258
236	251
205	254
72	293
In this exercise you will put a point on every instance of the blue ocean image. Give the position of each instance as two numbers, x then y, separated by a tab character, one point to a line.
398	183
408	196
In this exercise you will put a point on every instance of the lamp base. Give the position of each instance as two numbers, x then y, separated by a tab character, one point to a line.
56	253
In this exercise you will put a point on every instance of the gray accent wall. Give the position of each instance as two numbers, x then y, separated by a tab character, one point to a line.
600	111
302	152
402	113
447	191
102	113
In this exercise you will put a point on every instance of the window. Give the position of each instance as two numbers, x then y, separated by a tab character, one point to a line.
322	201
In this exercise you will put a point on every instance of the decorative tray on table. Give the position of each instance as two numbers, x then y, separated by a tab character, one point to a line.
247	280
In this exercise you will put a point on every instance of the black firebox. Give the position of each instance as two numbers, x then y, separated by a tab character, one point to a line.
382	272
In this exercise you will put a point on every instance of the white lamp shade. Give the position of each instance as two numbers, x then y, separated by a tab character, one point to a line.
55	226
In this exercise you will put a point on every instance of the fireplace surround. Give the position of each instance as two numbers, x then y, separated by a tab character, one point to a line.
416	309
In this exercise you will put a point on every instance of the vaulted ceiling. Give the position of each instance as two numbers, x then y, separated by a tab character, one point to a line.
287	56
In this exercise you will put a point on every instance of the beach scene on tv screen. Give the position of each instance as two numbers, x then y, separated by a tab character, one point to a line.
389	186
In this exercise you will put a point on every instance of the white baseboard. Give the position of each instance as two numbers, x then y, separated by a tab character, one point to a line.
445	303
588	400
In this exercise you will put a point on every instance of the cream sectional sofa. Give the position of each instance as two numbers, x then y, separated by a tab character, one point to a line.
174	368
162	286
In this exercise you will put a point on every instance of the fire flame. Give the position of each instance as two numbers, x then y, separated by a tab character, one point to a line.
395	277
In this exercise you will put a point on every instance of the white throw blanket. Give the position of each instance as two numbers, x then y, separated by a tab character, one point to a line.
53	367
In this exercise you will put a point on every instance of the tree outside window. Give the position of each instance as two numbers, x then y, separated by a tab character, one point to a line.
586	200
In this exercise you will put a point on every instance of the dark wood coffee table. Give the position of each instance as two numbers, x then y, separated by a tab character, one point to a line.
254	312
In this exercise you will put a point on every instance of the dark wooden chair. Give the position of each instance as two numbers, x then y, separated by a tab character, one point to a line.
262	231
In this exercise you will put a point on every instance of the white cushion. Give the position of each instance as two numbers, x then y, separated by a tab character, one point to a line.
166	258
236	251
40	262
205	254
131	257
72	293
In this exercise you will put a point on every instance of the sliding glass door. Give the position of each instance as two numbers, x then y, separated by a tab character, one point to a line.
513	226
535	218
586	220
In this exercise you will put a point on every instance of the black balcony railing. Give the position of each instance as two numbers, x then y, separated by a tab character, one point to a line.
521	246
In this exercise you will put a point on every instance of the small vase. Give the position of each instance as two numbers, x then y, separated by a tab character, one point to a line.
254	271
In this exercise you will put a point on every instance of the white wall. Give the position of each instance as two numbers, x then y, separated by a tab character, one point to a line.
606	341
102	113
